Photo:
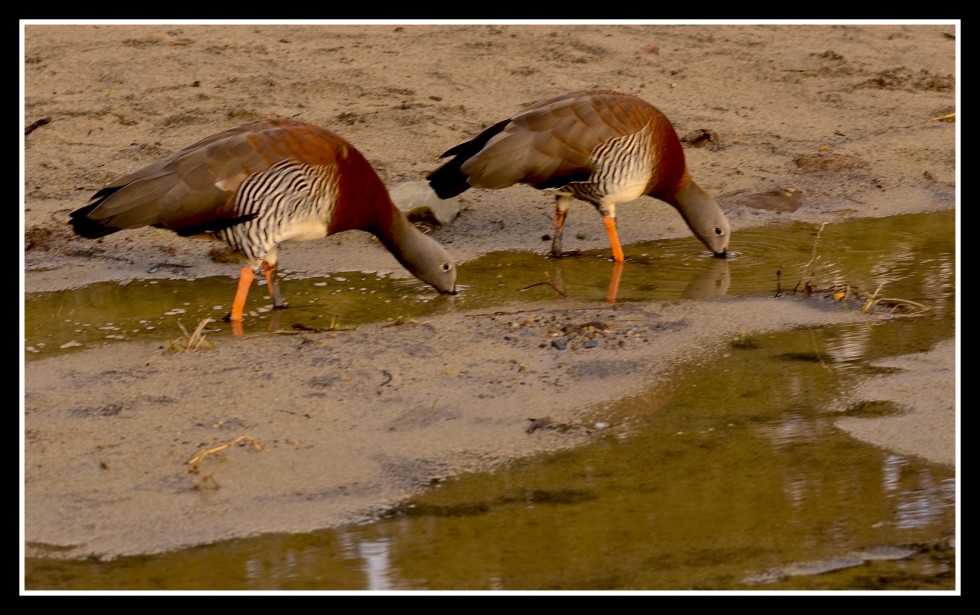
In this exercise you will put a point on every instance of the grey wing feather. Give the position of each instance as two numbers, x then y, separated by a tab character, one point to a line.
546	146
190	188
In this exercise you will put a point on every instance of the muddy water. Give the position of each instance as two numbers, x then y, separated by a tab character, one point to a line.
741	485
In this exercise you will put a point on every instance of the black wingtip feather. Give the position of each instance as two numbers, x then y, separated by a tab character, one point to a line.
87	227
449	180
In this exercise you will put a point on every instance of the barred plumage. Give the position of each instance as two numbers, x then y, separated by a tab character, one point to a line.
257	186
621	166
606	148
280	200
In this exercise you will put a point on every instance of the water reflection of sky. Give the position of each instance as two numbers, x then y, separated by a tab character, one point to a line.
376	555
922	504
849	347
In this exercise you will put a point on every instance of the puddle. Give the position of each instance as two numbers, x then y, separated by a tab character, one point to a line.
746	484
860	257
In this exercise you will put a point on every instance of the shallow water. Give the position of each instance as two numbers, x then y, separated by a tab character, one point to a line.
860	255
744	484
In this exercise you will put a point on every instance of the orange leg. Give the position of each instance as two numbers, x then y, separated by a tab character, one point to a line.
270	277
244	282
559	279
617	249
560	215
617	275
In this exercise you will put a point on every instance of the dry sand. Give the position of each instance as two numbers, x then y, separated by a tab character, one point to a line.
350	422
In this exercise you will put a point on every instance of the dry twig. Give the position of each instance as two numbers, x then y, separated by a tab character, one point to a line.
190	341
196	459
